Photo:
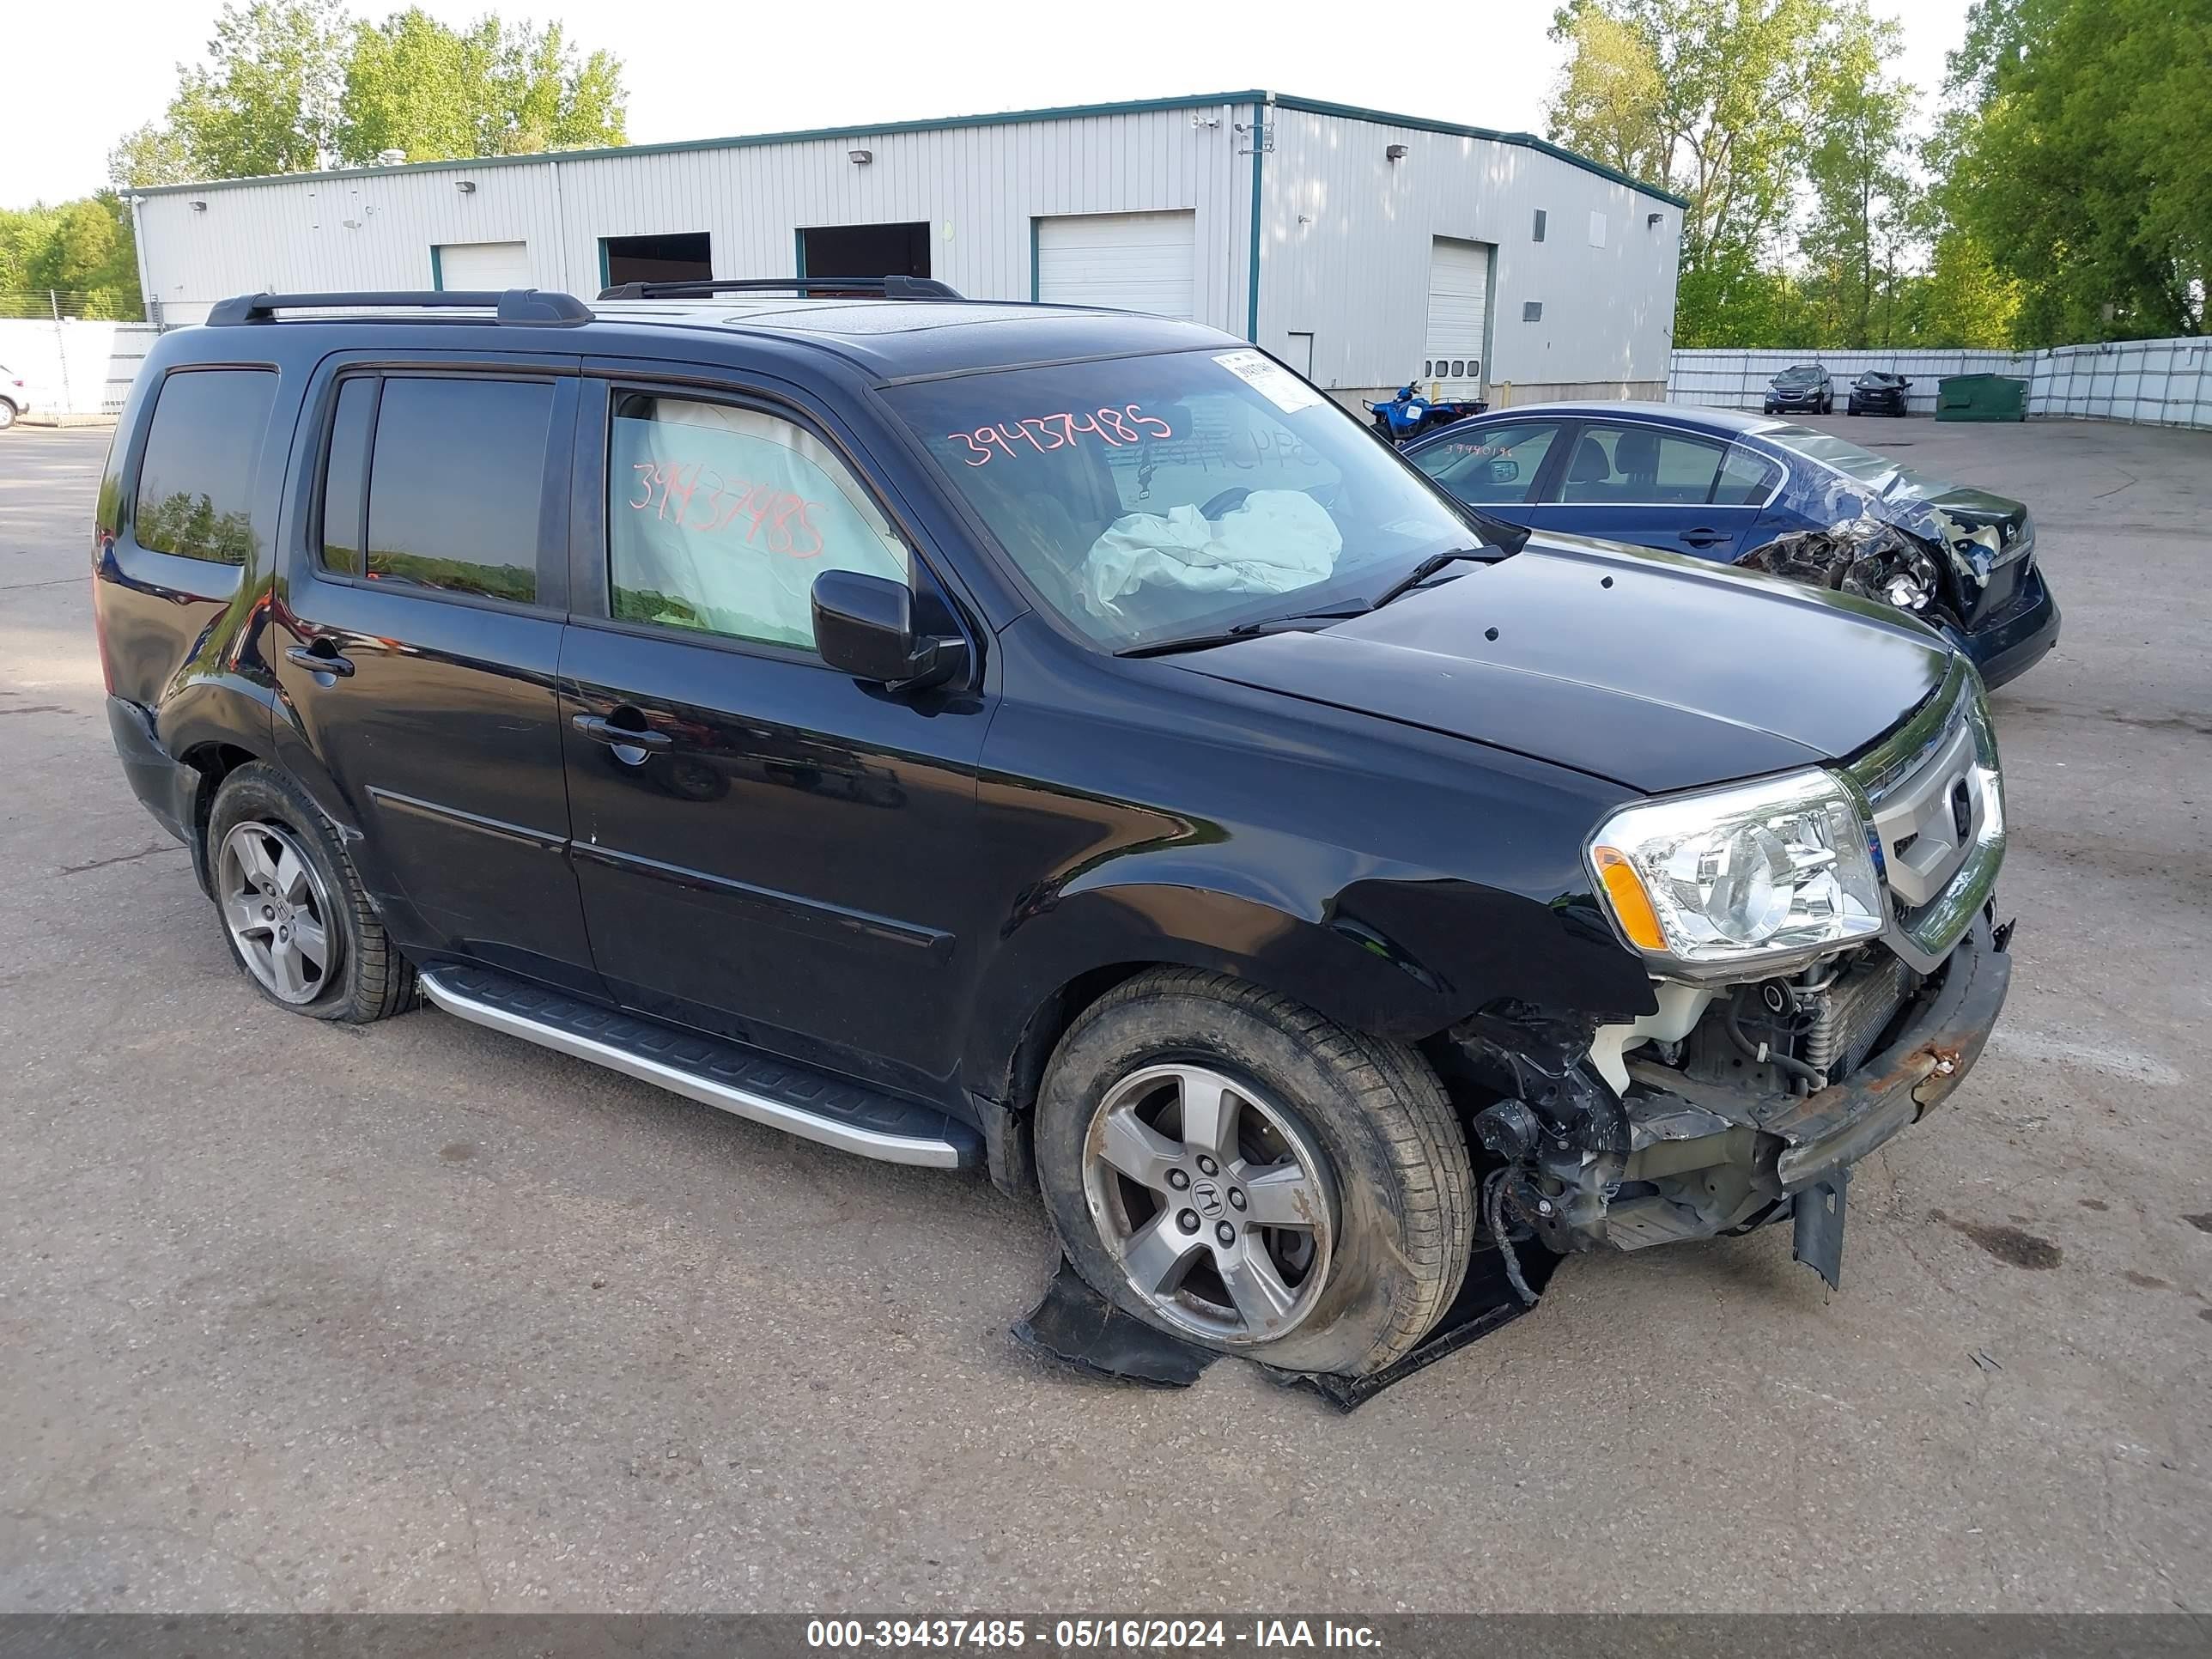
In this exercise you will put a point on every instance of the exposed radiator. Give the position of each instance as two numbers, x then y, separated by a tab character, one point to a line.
1851	1014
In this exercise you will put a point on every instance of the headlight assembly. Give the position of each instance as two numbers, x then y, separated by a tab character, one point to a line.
1748	876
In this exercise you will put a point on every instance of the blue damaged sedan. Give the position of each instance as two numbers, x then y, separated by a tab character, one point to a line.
1767	495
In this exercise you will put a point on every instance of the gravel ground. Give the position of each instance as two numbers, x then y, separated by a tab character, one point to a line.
419	1317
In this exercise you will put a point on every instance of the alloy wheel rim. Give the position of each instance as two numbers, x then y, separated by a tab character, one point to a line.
1213	1202
278	913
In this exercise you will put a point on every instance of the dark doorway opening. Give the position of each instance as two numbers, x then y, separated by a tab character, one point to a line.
681	259
864	251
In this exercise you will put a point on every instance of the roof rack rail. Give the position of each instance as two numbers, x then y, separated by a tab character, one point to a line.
515	308
891	287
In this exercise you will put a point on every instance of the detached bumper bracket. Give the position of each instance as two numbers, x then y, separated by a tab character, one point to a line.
1817	1239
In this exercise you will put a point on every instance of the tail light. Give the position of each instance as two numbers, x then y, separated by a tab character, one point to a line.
99	635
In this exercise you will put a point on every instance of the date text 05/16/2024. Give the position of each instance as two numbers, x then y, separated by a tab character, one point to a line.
1258	1636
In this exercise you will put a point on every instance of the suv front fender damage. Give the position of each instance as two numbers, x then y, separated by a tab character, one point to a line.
1669	1158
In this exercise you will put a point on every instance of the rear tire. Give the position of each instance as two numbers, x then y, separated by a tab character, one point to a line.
1232	1167
294	914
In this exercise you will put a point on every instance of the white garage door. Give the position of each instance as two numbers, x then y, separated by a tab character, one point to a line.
1459	303
1124	261
483	266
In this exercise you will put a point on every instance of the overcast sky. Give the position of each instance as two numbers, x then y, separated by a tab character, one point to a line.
78	77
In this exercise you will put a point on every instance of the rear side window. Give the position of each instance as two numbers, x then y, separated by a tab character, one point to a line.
196	479
456	476
718	518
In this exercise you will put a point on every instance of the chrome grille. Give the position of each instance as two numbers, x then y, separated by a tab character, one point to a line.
1934	803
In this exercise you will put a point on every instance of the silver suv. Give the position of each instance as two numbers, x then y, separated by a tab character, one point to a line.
14	397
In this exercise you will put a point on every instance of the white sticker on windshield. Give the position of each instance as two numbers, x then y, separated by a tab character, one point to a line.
1270	379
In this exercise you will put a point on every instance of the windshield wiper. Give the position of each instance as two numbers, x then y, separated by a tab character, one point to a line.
1428	568
1247	630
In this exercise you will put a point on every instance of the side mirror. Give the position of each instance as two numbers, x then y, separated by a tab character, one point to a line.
1504	470
864	626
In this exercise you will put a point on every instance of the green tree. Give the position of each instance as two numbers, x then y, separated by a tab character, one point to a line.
414	85
265	102
1710	98
2083	164
1862	225
82	250
289	85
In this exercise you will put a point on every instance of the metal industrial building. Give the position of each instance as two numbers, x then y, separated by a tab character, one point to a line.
1363	248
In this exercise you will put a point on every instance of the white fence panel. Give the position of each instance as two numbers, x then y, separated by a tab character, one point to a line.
74	366
2149	382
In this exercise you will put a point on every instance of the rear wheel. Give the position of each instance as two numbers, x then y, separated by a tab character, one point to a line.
1232	1167
294	913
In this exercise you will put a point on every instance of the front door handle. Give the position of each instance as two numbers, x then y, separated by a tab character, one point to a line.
321	662
1702	536
599	730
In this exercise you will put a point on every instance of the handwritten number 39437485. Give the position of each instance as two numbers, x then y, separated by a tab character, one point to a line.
1045	432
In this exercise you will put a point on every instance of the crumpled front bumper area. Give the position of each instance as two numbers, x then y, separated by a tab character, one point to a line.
1684	1159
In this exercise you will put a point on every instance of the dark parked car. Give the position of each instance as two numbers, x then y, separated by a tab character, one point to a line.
1770	496
1878	394
1805	389
1060	741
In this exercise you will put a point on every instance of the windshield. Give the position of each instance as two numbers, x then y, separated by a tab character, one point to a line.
1797	377
1149	498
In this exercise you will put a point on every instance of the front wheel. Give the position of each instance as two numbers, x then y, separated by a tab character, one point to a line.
7	414
1231	1167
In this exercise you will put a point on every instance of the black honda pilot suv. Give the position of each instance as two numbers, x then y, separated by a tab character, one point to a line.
1056	740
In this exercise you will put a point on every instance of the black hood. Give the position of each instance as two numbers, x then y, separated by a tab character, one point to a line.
1657	672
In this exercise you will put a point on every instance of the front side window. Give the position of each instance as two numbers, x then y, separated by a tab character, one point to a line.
719	517
1493	467
456	476
1639	466
1146	498
196	479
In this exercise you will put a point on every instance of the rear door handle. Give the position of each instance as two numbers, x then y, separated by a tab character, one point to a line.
1704	537
599	730
320	662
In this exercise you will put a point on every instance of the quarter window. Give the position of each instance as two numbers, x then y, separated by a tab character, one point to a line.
456	476
1746	479
196	479
718	518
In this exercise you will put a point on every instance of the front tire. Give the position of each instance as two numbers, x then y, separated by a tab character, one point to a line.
1232	1167
7	414
294	914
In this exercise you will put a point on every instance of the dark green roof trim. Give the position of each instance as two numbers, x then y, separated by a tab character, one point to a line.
941	123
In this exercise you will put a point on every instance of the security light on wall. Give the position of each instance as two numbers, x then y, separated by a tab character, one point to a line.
197	207
466	186
1397	153
1653	220
861	158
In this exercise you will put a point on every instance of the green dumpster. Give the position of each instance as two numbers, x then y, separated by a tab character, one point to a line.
1980	397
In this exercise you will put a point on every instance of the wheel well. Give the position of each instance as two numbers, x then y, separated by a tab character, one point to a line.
214	762
1049	1022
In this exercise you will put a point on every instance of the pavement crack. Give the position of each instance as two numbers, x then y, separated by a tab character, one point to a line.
120	858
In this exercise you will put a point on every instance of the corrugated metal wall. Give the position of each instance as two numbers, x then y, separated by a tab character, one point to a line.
1344	245
75	366
2149	382
978	187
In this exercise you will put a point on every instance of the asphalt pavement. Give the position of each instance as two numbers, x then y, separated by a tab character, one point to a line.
417	1317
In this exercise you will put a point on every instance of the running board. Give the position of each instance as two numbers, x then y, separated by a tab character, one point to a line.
741	1081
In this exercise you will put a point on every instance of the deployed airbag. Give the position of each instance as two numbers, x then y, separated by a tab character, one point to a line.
1272	542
